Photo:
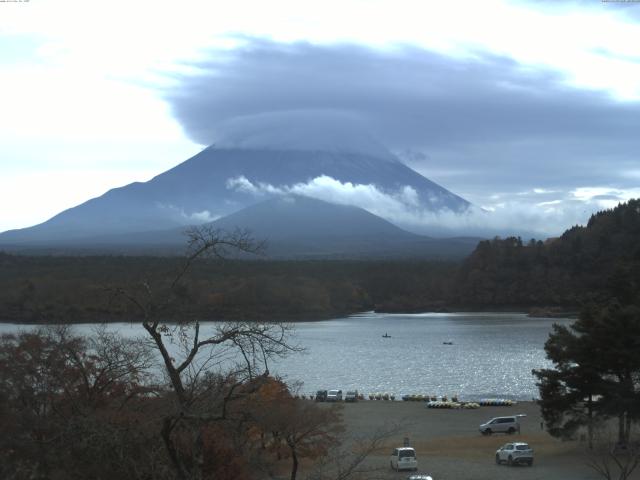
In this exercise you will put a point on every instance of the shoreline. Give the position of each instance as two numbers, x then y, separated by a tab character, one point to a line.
531	312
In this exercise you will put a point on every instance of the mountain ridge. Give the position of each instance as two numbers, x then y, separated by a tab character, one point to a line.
198	190
292	226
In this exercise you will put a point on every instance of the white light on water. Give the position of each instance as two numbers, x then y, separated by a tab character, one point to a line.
491	355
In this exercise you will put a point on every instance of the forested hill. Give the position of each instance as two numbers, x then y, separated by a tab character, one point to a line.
601	260
594	262
55	289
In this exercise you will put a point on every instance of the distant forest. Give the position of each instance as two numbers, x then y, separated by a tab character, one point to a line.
591	263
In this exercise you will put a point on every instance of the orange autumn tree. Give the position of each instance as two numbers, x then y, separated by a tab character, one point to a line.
292	427
226	459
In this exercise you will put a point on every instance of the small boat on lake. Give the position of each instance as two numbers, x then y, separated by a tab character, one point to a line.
386	335
447	343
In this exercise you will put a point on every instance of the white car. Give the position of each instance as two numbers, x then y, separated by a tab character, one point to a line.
514	453
419	477
404	458
351	396
501	425
334	396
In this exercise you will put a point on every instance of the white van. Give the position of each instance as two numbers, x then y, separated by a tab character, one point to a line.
404	458
501	425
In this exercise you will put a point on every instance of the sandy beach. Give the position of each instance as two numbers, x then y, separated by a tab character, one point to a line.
450	447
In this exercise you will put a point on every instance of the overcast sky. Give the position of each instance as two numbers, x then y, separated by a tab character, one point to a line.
527	108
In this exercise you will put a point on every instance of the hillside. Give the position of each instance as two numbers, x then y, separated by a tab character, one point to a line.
595	262
59	289
592	262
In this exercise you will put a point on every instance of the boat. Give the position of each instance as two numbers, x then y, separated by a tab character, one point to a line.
386	335
447	343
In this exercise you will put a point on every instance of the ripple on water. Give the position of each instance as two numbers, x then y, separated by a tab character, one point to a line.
492	354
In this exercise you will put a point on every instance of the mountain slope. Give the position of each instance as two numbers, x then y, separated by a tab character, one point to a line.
295	226
206	187
301	217
291	226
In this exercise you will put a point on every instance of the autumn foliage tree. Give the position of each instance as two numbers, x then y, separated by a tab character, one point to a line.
293	428
66	400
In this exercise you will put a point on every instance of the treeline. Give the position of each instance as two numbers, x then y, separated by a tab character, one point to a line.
586	264
591	263
80	289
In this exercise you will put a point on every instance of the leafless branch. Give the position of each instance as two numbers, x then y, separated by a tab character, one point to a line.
349	462
613	461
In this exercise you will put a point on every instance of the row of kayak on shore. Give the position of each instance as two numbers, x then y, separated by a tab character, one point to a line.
445	402
441	404
431	400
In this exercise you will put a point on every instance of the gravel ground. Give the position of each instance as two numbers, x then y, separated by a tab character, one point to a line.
449	446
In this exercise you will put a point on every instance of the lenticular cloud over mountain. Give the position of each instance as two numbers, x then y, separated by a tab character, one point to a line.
315	130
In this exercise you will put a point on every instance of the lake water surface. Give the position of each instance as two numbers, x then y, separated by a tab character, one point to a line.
492	354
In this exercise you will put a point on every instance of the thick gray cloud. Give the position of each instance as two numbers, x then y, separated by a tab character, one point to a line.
411	96
486	128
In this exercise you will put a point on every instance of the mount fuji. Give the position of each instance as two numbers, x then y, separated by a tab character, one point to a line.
238	173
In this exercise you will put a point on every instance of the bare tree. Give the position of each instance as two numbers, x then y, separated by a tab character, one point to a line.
613	460
207	367
348	461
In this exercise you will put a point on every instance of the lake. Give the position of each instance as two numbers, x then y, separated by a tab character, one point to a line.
490	355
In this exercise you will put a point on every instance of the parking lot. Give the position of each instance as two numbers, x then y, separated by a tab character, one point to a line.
449	446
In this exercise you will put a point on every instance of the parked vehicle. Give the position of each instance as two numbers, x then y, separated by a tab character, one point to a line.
334	396
404	458
501	425
515	453
419	477
321	396
351	396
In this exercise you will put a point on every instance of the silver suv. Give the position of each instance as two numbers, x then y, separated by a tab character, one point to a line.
501	425
513	453
351	396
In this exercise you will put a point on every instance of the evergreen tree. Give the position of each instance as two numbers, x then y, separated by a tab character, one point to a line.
596	374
